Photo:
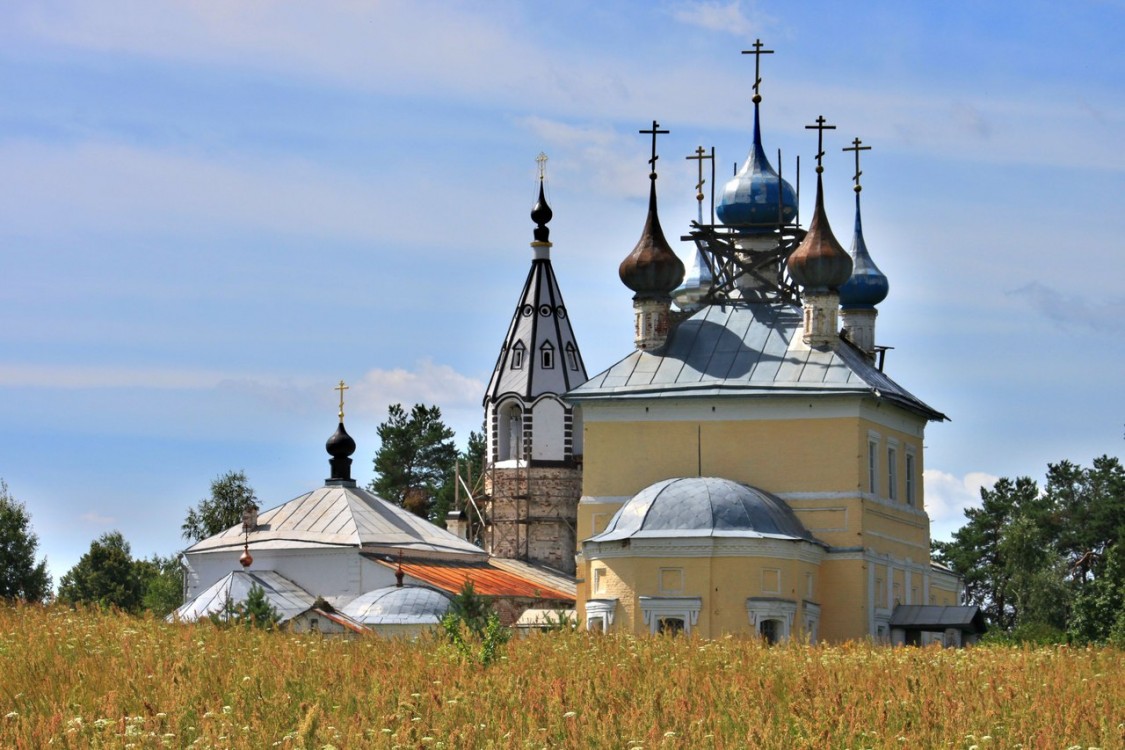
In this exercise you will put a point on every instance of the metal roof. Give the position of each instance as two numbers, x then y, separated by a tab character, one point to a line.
399	605
286	597
745	349
703	507
340	516
487	579
934	617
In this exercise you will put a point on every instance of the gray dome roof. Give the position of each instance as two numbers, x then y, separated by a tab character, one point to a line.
704	506
395	605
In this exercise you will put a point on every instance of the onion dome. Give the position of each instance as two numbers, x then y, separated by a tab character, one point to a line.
704	506
867	286
698	282
750	198
541	214
340	446
652	270
392	605
819	263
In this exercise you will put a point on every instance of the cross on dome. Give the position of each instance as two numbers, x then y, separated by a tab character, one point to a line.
856	147
341	388
655	130
757	52
820	127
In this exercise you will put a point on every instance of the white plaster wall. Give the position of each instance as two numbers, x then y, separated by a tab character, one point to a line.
548	427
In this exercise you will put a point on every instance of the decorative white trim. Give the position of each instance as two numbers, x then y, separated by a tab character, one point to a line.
603	609
761	608
655	608
785	549
812	621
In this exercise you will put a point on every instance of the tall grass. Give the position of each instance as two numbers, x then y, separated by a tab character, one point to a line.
88	679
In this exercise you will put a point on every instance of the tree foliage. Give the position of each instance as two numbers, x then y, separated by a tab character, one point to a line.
473	627
20	576
163	581
106	575
1047	562
230	495
415	461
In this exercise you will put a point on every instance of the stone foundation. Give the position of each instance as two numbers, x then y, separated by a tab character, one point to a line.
532	514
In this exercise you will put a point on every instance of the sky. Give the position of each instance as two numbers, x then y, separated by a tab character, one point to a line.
212	212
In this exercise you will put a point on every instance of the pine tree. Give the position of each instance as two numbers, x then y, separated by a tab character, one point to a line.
415	461
20	576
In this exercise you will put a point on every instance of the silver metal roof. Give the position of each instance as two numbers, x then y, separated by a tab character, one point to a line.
287	598
741	349
703	506
394	605
340	516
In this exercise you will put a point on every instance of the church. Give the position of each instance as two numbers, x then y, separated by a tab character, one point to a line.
749	468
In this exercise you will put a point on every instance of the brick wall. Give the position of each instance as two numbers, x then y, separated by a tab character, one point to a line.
532	514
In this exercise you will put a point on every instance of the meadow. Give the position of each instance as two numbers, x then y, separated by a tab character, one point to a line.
90	679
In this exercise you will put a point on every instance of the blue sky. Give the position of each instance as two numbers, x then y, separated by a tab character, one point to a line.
212	212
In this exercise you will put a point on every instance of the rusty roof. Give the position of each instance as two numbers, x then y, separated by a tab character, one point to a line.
487	579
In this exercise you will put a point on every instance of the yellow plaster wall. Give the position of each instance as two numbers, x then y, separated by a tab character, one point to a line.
843	599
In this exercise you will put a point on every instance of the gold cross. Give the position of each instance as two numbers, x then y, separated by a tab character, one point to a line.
699	157
820	127
541	160
757	52
341	388
857	148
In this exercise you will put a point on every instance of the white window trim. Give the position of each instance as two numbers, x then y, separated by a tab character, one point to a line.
911	471
601	609
656	608
761	608
874	439
812	621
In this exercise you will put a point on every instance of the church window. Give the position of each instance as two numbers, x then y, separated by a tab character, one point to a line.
660	611
770	630
892	473
547	355
517	355
910	480
771	581
596	625
873	466
571	355
509	441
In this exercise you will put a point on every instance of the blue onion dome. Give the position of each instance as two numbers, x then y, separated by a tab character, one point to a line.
819	264
704	506
652	270
868	286
698	282
541	214
750	198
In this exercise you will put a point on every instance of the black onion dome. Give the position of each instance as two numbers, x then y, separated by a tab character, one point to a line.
541	214
820	263
652	270
341	444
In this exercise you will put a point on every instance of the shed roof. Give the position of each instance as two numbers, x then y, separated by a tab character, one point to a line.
492	578
746	349
934	617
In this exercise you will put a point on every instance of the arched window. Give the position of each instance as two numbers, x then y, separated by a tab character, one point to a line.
571	355
547	355
509	428
771	630
518	351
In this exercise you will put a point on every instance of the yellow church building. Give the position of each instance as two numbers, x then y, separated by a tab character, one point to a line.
749	468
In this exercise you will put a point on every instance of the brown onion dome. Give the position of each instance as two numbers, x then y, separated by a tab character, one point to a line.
653	269
820	263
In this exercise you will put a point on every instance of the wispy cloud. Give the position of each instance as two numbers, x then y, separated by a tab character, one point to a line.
714	15
948	495
1072	310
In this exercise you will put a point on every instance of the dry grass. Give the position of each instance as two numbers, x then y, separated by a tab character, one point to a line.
92	680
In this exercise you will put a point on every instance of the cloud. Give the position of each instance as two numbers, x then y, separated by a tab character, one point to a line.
713	15
97	519
80	377
604	157
1071	310
947	497
427	383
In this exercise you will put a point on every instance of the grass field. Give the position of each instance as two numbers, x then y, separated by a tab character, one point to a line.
103	680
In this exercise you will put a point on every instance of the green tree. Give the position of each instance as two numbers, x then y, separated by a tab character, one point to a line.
163	581
20	576
257	611
415	461
106	575
230	496
473	627
1090	505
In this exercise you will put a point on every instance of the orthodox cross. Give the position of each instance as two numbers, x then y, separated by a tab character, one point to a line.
857	148
820	127
541	160
700	156
757	52
655	130
341	388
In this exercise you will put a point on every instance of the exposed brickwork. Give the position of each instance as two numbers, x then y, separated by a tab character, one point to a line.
532	514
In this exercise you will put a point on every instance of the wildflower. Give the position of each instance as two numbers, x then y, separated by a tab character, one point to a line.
570	714
11	715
